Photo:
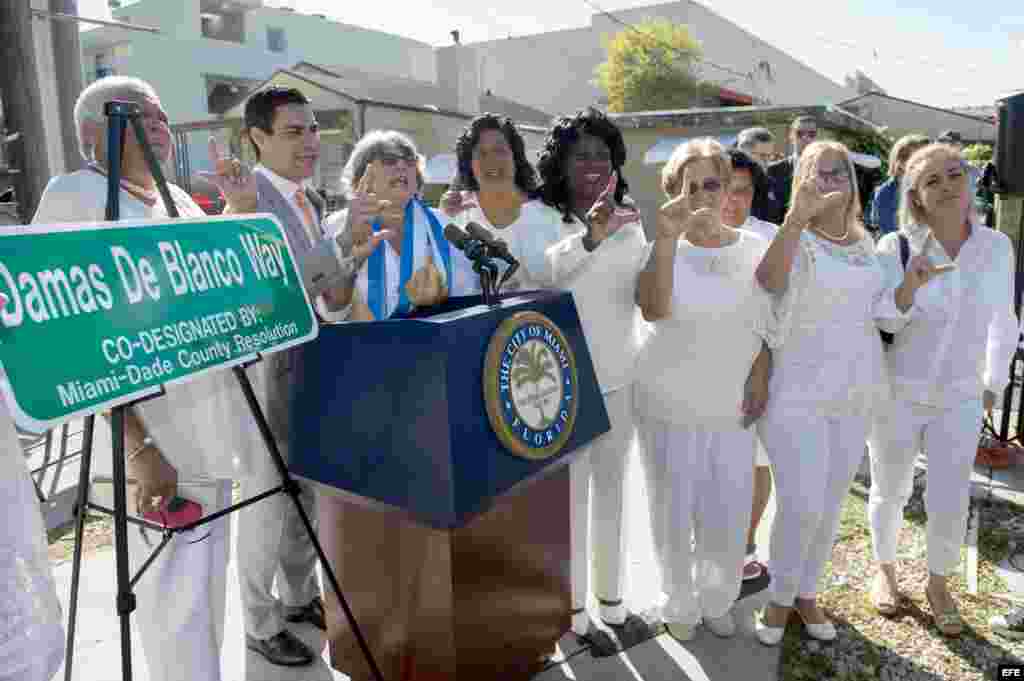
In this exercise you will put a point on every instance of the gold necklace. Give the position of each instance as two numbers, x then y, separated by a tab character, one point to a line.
837	239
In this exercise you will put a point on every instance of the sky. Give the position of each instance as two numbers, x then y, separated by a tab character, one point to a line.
939	52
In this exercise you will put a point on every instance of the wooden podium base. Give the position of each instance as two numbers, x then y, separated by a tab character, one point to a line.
484	601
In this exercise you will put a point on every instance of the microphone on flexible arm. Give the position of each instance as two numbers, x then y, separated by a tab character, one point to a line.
497	249
479	253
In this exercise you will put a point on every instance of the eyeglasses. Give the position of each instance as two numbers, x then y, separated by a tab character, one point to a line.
392	159
807	134
710	186
740	192
838	175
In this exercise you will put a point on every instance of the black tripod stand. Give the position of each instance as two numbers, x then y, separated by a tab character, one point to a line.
119	114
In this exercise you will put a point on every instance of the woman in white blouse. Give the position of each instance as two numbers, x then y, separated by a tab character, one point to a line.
952	349
495	182
828	373
701	381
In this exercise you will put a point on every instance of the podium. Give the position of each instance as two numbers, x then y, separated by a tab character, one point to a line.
453	551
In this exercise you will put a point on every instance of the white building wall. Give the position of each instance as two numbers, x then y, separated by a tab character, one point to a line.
902	118
555	71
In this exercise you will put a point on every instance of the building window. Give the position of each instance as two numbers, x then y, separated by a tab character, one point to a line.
229	26
275	40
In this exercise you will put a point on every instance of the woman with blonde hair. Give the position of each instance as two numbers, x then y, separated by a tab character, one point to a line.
885	202
953	343
702	380
828	373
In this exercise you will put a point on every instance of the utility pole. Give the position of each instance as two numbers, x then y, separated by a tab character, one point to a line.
68	70
23	108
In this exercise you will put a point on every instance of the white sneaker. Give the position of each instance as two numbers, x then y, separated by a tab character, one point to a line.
681	632
1010	625
580	622
723	627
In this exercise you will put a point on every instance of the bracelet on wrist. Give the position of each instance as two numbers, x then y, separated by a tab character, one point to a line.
146	444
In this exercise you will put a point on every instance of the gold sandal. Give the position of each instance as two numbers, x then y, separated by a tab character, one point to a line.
887	606
947	622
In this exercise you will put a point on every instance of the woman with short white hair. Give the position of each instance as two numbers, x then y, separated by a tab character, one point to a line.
953	343
415	265
198	432
701	382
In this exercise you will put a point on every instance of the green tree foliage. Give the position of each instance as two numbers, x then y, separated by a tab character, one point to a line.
651	67
978	153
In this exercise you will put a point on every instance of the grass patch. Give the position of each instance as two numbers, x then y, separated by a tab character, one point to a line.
907	646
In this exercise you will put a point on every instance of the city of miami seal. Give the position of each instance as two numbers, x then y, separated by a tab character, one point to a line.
530	386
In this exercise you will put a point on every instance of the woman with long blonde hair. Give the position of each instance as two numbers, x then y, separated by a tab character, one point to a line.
828	373
953	343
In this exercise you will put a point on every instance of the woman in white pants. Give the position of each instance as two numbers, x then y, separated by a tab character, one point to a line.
828	373
31	635
952	349
598	256
701	381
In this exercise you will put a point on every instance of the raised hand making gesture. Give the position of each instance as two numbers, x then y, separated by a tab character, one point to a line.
810	202
232	179
605	217
676	218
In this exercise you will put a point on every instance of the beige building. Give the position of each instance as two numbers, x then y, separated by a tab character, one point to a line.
554	71
902	117
348	103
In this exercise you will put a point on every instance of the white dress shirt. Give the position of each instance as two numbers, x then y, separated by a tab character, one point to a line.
959	336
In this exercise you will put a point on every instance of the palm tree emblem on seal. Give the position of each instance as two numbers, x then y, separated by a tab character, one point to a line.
535	385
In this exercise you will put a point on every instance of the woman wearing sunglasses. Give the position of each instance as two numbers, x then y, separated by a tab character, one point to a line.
828	374
951	352
702	379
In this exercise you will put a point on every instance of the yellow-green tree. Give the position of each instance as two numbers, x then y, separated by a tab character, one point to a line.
651	66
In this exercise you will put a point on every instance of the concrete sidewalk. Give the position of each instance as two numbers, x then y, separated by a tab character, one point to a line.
97	655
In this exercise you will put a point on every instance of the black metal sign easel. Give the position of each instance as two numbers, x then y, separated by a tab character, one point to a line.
119	114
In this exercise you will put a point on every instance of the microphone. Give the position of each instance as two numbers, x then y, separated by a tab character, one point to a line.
497	248
473	248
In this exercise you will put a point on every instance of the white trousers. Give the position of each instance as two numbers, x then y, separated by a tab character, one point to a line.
814	458
699	484
31	633
272	542
949	437
181	597
598	476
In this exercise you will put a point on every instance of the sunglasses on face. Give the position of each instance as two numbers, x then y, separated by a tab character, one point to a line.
807	134
710	186
392	159
835	176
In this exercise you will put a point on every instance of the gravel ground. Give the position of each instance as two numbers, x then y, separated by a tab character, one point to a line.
906	647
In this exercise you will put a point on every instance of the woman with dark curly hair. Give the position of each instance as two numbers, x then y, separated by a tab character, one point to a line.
599	255
493	188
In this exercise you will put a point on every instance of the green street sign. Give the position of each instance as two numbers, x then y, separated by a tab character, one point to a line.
103	314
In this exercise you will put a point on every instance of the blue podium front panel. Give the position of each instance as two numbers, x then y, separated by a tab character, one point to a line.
394	411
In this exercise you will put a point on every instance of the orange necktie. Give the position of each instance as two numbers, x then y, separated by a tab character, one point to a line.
311	226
